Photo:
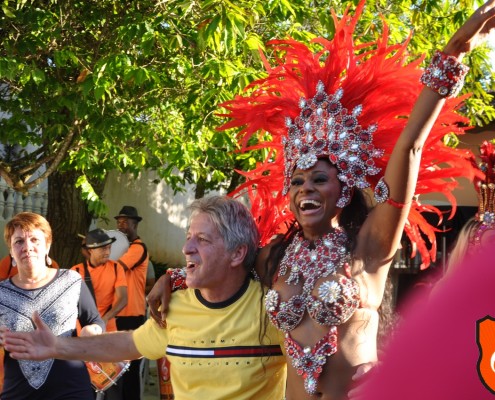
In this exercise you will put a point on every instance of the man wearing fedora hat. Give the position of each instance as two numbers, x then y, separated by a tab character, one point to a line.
105	278
135	264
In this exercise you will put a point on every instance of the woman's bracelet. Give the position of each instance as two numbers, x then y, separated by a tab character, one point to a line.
382	195
445	75
177	278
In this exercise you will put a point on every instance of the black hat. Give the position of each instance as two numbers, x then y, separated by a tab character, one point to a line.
129	212
98	238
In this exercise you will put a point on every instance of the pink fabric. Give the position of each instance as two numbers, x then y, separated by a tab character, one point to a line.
434	354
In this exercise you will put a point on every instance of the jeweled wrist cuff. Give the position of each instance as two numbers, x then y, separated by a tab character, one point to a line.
177	278
445	75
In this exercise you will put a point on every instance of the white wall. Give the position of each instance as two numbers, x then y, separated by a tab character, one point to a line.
164	214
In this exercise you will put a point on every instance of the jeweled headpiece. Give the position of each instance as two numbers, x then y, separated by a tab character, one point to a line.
349	103
486	192
326	128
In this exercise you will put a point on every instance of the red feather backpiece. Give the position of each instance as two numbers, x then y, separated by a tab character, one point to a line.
374	75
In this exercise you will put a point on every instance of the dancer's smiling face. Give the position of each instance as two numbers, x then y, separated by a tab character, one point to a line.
313	197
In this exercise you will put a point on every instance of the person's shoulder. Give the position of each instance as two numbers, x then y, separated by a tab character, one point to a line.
137	245
77	267
110	263
255	286
5	261
276	240
264	254
69	274
5	282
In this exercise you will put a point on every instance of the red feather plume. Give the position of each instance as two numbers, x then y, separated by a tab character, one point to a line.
374	75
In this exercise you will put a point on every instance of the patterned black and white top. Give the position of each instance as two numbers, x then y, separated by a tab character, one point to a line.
60	303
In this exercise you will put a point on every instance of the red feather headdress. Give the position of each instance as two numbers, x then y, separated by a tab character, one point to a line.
485	187
375	82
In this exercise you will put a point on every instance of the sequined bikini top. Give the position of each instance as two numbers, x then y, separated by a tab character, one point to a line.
337	297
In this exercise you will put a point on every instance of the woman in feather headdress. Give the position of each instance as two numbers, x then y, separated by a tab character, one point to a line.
341	120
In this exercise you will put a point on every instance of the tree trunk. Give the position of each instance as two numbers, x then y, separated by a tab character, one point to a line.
68	216
200	190
236	178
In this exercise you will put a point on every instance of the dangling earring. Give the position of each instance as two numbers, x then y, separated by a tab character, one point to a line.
345	196
48	260
12	261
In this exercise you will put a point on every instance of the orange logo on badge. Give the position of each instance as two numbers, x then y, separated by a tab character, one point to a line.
485	337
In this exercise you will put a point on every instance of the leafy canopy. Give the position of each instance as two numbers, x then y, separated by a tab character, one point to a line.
109	85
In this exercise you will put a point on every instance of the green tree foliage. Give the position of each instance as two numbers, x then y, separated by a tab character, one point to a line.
104	85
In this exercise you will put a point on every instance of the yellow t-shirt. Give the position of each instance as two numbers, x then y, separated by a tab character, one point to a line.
214	349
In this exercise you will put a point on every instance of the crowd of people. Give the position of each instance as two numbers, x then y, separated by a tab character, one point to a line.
280	300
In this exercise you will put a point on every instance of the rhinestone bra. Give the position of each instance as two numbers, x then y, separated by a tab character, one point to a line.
337	299
335	304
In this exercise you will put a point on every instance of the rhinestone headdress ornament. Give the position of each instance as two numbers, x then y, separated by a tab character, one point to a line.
486	192
349	103
326	128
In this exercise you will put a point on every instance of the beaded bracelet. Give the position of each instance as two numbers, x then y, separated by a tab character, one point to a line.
177	278
445	75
